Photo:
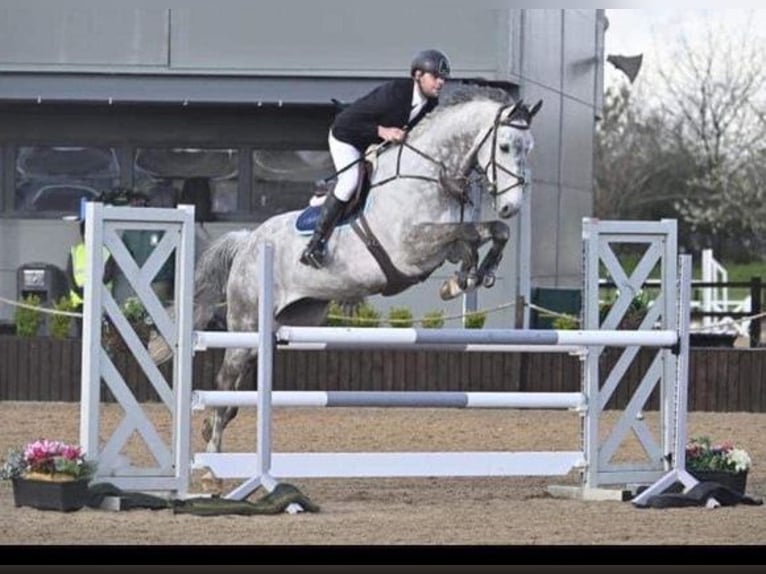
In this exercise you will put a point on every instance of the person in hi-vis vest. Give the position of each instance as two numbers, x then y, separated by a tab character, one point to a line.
76	265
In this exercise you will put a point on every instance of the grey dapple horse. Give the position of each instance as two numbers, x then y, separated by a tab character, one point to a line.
413	212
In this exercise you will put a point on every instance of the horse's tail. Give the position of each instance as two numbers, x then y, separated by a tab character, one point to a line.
210	278
212	274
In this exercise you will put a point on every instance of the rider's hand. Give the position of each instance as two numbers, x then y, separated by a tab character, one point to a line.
395	135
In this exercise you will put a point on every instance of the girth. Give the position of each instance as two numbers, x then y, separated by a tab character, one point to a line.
396	281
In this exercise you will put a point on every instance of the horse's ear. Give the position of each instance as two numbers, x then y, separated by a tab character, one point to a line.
535	109
510	111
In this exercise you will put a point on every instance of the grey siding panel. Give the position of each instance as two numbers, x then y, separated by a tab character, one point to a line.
546	128
336	37
545	217
57	34
542	47
580	49
576	204
577	151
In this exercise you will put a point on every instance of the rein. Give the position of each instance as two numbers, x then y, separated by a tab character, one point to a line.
455	185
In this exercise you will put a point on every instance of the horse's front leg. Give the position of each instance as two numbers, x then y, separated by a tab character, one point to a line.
465	249
468	255
499	233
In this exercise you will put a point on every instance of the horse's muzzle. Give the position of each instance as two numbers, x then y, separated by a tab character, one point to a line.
508	211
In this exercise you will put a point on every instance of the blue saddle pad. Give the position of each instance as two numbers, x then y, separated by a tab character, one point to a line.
307	220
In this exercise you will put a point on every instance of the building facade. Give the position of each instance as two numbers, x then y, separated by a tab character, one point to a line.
227	106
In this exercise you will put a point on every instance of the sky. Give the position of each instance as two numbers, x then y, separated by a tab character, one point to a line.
655	32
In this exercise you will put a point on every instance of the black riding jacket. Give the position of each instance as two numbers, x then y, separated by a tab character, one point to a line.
388	105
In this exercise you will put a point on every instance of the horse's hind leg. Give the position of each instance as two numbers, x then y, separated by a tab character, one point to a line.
237	366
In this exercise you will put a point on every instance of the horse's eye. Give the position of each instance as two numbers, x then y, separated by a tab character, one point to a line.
505	147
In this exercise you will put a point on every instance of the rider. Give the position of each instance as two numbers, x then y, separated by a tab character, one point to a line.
383	115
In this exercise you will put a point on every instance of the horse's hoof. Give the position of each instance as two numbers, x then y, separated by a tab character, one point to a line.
159	350
207	431
449	289
211	483
471	282
489	280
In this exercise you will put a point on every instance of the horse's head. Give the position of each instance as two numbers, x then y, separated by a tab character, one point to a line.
501	156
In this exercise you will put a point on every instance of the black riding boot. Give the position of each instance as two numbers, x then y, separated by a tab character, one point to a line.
315	253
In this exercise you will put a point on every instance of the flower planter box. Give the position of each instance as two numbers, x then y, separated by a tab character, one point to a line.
64	495
736	481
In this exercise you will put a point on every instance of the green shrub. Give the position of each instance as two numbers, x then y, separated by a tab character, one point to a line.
635	312
28	321
60	324
565	323
475	319
400	317
336	316
433	320
365	315
134	310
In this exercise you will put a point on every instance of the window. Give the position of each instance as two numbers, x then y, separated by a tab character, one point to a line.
207	178
285	180
55	178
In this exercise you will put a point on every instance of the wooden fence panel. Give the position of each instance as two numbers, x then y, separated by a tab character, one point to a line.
48	369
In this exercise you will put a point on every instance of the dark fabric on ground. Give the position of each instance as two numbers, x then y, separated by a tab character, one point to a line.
274	502
699	495
128	500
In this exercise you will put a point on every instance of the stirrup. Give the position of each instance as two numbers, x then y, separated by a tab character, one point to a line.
315	256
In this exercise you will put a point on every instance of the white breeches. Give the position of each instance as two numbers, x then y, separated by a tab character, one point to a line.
344	154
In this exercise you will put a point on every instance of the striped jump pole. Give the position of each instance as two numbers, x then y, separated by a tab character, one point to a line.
410	399
204	340
329	338
411	338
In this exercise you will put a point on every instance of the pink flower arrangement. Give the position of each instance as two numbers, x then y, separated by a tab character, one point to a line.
47	457
702	454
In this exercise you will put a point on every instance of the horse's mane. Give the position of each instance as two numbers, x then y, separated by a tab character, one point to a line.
461	95
469	92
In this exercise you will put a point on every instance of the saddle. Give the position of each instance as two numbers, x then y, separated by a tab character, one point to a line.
307	219
364	171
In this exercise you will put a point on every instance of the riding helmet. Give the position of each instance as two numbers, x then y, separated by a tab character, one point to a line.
432	61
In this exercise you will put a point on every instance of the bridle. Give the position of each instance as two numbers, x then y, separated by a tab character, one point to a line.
492	163
460	180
